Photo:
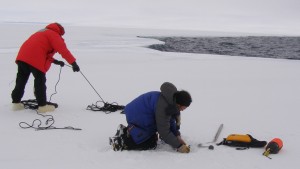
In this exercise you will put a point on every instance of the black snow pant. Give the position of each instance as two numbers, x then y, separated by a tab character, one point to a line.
149	144
24	71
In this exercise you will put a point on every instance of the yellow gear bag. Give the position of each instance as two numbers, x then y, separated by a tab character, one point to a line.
242	140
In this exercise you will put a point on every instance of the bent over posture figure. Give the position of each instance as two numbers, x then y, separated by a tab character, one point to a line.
36	56
152	115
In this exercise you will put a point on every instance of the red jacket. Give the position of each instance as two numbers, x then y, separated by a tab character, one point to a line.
39	49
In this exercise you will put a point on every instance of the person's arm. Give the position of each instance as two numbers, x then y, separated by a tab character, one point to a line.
60	46
163	128
173	127
58	62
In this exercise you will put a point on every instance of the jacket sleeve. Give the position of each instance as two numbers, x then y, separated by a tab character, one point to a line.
163	124
60	46
174	127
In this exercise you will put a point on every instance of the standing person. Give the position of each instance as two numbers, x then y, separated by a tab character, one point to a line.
152	114
36	56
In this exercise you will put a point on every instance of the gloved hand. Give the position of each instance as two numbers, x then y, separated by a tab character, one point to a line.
184	149
75	67
60	63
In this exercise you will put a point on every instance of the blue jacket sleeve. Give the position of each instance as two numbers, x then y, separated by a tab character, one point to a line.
173	127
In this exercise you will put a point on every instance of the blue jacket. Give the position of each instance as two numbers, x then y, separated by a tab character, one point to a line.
141	117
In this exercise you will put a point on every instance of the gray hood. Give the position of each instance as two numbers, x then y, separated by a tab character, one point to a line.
167	90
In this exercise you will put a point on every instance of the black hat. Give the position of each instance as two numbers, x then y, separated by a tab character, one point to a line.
183	98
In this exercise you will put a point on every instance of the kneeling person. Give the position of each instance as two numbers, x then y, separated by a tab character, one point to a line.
152	114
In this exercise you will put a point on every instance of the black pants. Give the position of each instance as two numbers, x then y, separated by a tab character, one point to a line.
149	144
24	71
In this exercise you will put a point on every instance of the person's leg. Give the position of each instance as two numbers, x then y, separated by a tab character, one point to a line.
39	86
149	144
40	91
21	80
129	144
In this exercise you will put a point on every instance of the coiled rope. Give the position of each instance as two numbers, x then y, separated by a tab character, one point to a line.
37	123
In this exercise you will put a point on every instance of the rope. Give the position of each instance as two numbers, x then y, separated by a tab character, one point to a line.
92	86
89	83
33	105
107	107
56	84
48	124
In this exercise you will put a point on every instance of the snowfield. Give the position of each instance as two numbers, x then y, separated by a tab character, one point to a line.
248	95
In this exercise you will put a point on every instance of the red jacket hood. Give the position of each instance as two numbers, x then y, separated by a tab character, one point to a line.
57	28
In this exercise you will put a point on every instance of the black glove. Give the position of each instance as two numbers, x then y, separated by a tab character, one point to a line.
60	63
75	67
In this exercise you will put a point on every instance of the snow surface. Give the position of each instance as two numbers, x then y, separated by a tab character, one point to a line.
248	95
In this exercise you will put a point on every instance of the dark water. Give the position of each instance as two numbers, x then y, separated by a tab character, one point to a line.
252	46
